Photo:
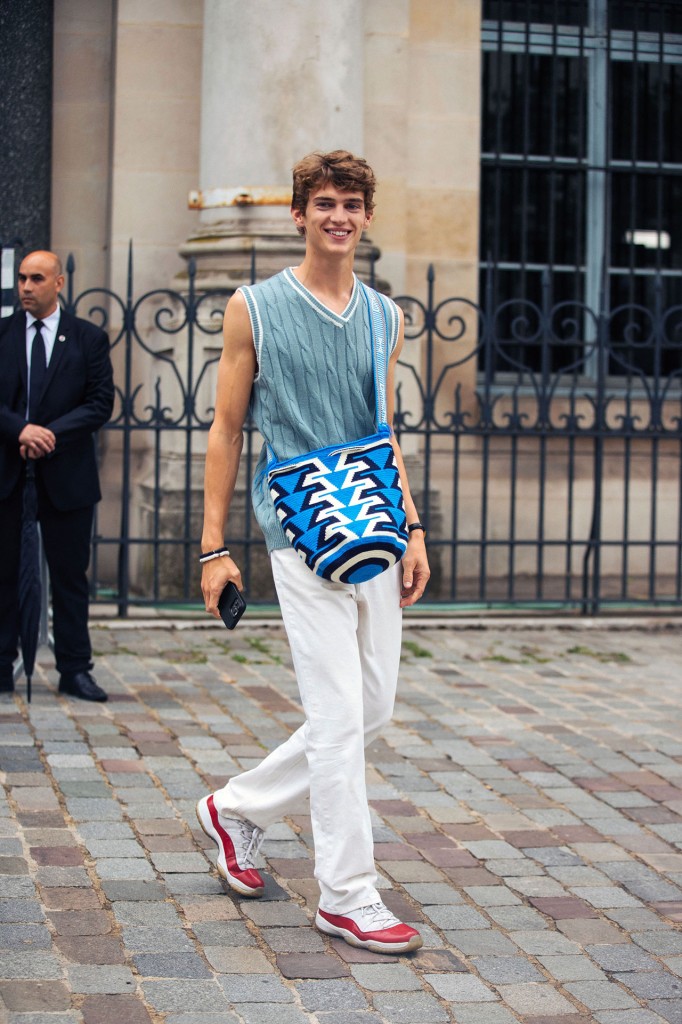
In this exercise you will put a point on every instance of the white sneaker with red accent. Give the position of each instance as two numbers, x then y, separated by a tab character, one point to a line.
238	842
373	927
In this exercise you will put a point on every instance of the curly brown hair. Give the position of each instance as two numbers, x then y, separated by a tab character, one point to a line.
339	168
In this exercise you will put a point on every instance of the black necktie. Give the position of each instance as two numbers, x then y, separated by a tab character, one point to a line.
37	376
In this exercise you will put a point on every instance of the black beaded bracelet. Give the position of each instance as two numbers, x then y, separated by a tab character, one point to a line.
218	553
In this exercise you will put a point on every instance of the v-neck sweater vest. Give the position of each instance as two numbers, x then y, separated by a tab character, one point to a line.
314	385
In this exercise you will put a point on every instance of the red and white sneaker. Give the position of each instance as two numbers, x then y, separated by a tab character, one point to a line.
238	842
373	927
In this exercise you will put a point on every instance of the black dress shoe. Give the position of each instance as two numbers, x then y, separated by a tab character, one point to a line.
81	684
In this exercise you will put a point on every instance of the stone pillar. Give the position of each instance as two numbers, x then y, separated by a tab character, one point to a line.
25	123
267	65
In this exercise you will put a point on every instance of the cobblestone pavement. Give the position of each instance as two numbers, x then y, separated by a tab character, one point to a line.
527	803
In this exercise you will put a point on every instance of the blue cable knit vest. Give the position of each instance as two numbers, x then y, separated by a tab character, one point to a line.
314	385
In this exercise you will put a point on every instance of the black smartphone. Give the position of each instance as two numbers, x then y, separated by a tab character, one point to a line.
231	605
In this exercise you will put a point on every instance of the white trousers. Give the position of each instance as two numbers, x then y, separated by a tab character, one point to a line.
345	645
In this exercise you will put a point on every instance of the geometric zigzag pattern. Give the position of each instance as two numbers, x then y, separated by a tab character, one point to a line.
342	509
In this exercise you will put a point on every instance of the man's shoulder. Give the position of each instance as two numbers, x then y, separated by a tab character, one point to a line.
83	328
267	284
7	322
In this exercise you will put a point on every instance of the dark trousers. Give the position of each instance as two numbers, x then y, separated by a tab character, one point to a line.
66	540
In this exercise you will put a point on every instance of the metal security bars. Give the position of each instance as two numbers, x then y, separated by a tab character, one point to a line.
582	162
555	490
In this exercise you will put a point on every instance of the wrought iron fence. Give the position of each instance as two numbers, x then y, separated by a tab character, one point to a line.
544	451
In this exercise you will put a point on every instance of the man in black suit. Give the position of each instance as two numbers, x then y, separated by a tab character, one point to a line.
56	390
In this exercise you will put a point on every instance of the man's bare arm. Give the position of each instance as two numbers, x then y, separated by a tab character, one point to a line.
415	563
236	371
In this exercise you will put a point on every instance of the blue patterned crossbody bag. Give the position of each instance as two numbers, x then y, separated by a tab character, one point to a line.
341	507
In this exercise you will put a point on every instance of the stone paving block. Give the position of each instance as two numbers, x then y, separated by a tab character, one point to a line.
53	877
90	949
638	1016
600	995
437	960
544	943
126	869
16	887
237	960
660	943
623	957
668	1010
170	965
572	968
24	936
201	1018
208	908
482	943
115	848
336	994
385	978
123	890
150	913
438	892
223	933
409	1007
652	984
185	995
21	911
276	915
105	832
311	965
606	897
506	970
107	980
490	896
33	996
156	940
411	871
68	1017
591	931
456	918
294	940
255	988
484	1013
37	964
533	1000
194	885
179	862
282	1013
114	1009
460	988
517	918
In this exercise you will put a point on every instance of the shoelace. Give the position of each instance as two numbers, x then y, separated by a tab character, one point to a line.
379	917
247	840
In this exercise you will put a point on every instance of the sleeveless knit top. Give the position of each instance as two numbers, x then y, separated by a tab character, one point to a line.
314	385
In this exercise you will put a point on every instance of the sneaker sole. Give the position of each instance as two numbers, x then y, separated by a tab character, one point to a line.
416	942
234	883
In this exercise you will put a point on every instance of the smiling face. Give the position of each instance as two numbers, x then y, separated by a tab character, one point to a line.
40	282
333	220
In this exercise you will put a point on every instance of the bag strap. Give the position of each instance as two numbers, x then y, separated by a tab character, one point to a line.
378	332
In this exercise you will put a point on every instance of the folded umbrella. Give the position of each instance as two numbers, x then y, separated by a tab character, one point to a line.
29	577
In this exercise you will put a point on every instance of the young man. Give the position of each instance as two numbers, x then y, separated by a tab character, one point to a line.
297	348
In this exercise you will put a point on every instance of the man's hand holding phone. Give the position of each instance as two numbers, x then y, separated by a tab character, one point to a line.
231	605
215	576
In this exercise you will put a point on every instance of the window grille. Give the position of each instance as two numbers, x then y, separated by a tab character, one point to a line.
581	177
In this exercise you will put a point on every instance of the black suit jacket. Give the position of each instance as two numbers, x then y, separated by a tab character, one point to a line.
77	399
